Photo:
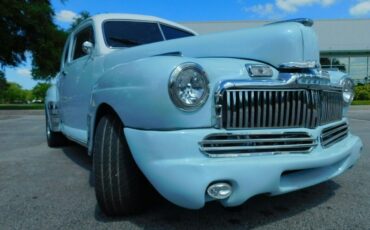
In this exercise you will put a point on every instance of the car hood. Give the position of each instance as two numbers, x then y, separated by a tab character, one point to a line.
274	44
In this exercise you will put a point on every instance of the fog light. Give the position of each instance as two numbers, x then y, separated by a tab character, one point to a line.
219	190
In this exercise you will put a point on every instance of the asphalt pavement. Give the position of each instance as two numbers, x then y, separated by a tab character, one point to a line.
44	188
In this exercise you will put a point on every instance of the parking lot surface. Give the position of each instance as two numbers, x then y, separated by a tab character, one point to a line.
44	188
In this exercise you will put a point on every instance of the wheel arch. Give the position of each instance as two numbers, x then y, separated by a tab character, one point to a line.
102	110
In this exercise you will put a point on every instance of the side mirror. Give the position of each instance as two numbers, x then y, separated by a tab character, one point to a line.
87	47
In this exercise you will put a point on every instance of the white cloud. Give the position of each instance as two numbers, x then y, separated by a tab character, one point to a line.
263	10
293	5
360	9
24	72
65	16
279	8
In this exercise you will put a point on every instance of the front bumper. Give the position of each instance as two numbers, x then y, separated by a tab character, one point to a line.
173	163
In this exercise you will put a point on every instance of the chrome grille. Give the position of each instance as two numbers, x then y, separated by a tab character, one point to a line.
227	144
277	108
334	134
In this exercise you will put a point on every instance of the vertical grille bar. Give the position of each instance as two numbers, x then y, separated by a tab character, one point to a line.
259	108
299	110
264	111
281	108
253	109
304	109
270	110
315	104
249	106
294	107
233	98
287	108
241	110
228	120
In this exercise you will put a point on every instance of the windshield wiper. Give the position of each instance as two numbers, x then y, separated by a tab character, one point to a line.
124	41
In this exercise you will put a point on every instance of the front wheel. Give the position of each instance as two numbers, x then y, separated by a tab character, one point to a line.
119	184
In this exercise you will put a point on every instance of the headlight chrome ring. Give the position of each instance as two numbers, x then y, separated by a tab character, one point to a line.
348	87
188	86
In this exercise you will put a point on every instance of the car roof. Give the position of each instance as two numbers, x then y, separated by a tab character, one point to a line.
137	17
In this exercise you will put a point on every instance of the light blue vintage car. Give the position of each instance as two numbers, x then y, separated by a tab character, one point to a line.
223	117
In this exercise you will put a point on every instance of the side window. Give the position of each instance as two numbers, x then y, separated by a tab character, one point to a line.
173	33
86	34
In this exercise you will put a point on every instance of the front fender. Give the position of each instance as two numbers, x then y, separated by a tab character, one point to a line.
138	92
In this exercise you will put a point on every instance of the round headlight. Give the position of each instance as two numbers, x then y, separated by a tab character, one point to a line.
348	90
188	86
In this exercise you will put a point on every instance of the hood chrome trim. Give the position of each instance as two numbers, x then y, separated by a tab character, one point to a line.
304	21
300	65
316	81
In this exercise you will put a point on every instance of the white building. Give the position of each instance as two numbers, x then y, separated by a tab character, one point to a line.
344	43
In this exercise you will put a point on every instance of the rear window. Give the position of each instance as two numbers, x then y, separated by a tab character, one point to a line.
129	34
173	33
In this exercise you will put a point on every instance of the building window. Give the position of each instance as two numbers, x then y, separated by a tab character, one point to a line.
357	66
325	62
340	63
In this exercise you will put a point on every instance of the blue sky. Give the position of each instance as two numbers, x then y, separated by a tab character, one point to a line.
201	10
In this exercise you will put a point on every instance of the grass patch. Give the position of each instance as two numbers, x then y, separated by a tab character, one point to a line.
21	106
363	102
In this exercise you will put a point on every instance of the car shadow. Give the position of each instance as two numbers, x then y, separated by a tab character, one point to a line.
257	211
79	156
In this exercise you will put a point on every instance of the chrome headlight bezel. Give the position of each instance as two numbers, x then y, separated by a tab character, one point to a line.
173	87
348	90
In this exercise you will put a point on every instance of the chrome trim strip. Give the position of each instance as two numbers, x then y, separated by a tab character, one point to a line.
299	65
333	134
255	140
274	84
304	21
334	139
302	144
334	130
241	148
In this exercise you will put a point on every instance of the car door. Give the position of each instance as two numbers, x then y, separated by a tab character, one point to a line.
76	83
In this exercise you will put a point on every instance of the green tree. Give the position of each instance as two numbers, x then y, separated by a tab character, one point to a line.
28	95
27	25
15	94
3	83
3	87
39	91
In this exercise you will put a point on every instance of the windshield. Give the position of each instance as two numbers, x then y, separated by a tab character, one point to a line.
130	33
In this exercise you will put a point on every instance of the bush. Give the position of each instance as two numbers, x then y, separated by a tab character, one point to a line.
362	95
362	92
